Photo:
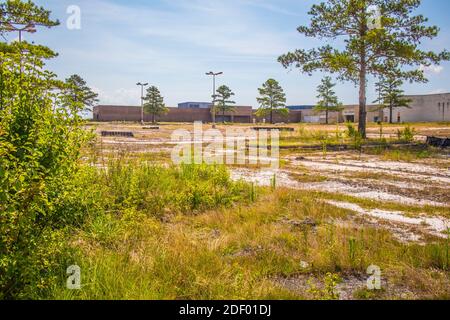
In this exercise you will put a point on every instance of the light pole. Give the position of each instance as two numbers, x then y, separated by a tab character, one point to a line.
13	27
142	85
214	74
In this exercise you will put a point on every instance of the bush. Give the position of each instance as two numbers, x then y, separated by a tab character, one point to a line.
40	145
407	134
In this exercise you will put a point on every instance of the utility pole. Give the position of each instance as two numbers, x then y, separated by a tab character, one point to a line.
142	85
214	74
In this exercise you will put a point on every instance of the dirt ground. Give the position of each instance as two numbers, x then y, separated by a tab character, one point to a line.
411	198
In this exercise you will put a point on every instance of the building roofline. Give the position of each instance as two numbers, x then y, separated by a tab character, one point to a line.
427	95
202	102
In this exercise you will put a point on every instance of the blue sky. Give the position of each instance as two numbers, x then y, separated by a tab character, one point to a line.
172	43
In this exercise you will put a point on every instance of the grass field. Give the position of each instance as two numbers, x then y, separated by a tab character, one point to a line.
308	230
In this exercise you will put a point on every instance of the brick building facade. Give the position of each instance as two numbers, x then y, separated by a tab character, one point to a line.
423	108
241	114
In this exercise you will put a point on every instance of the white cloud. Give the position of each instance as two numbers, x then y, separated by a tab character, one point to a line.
121	96
433	69
215	25
270	7
438	91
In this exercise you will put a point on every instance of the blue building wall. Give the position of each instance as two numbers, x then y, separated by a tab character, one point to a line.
194	105
300	107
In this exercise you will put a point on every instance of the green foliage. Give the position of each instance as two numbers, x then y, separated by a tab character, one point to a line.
328	292
23	12
41	137
223	102
273	182
390	95
328	100
156	190
78	91
407	134
40	147
386	49
272	100
154	103
351	131
355	135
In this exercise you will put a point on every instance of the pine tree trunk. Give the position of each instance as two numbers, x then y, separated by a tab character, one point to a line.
271	116
326	116
391	114
223	116
362	95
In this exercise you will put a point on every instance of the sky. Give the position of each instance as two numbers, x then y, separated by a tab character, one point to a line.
172	43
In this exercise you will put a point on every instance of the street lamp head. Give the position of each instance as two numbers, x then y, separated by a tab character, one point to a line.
214	74
31	27
9	27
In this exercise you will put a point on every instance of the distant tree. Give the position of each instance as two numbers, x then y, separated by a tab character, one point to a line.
328	100
390	95
223	103
154	103
78	90
272	100
394	33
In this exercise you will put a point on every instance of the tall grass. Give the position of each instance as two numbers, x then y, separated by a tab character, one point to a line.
239	251
157	190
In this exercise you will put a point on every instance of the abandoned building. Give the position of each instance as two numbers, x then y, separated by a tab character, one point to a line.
422	108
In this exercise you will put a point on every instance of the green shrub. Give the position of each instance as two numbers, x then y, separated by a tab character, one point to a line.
40	145
157	190
407	134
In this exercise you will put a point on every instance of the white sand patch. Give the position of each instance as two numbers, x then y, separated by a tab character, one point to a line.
437	226
426	173
265	176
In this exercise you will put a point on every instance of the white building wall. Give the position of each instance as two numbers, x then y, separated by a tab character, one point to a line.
424	108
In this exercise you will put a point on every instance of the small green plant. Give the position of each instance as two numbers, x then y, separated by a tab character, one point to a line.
351	132
407	134
252	192
447	246
329	290
352	250
380	124
273	182
357	139
324	148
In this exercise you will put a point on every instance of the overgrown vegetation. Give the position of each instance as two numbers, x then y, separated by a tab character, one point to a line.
141	228
247	252
40	141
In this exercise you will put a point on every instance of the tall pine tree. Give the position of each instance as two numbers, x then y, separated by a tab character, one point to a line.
396	36
154	103
390	95
223	102
328	102
272	100
79	91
